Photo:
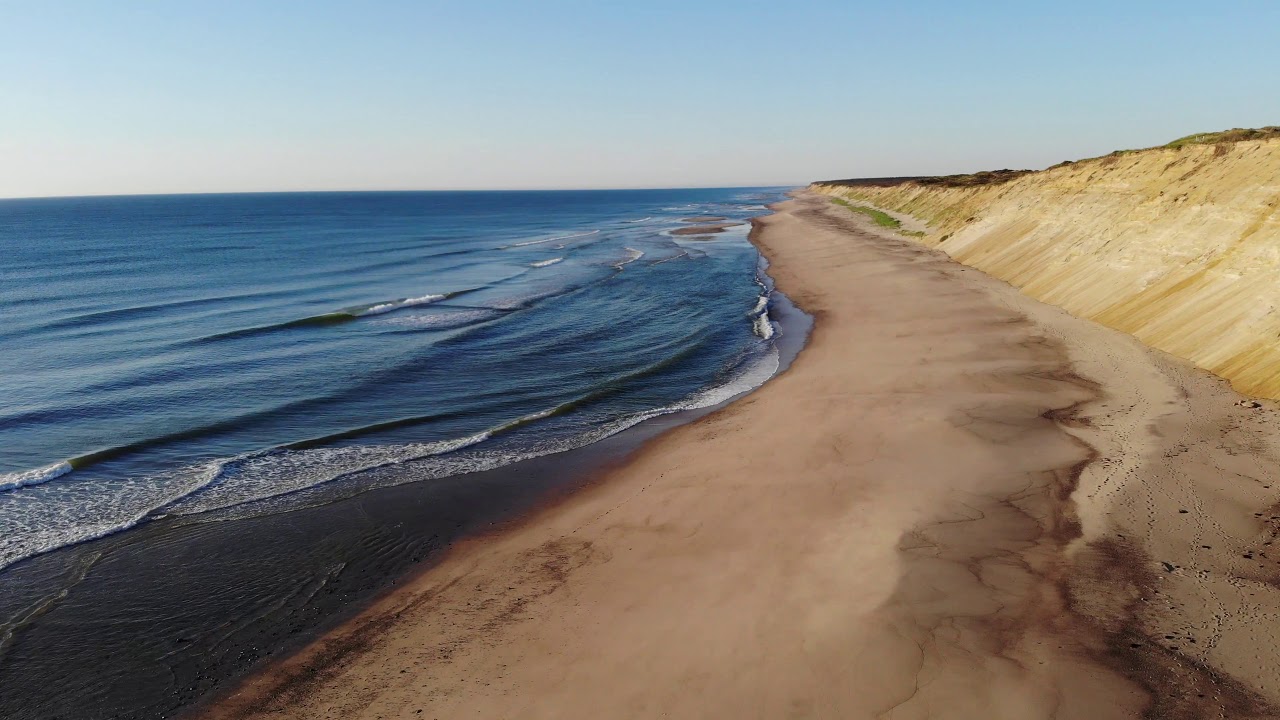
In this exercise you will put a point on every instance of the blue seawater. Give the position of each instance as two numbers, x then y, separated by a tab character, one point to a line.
234	355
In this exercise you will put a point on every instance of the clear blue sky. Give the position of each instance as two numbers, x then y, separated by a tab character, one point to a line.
128	97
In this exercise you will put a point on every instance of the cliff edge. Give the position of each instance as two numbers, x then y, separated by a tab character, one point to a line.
1178	245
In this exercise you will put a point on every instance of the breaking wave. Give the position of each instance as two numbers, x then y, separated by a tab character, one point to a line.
338	317
37	476
264	481
550	239
386	307
632	256
761	324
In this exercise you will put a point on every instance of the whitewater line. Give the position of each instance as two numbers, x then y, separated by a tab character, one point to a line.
633	256
547	240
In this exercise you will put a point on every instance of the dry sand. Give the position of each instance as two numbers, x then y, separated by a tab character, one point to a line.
955	504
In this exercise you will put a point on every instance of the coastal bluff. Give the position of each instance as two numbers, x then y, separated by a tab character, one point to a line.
1177	245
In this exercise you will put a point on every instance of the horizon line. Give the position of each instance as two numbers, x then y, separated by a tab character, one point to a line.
398	190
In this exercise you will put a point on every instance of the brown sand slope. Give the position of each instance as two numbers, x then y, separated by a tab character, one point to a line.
1178	245
886	530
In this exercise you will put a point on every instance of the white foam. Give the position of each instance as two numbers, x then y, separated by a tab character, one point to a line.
441	460
387	307
683	253
550	239
263	481
650	217
27	478
632	256
762	326
544	263
749	379
437	320
78	512
752	377
275	480
273	473
84	512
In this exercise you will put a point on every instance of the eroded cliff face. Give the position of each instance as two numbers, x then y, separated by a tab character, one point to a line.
1179	247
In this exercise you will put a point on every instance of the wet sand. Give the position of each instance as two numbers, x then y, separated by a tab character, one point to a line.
704	229
957	503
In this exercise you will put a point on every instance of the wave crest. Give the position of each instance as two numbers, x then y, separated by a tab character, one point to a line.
272	480
547	240
37	476
761	324
386	307
632	256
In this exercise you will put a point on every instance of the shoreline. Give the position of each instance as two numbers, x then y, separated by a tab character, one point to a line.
957	497
245	591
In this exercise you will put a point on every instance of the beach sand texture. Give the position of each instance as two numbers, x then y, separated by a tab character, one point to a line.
958	502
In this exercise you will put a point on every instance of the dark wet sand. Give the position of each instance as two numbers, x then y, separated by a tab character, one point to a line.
704	229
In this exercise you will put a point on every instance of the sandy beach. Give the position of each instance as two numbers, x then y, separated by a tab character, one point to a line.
958	502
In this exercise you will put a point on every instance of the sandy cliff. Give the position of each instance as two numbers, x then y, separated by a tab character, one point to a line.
1178	246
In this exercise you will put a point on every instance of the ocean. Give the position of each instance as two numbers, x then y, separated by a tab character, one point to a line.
217	407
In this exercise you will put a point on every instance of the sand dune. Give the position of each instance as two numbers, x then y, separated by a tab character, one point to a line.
1178	246
957	503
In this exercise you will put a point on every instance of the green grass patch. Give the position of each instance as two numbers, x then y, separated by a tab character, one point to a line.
986	177
882	219
1226	136
1222	140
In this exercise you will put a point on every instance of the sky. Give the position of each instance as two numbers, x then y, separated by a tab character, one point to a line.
174	96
